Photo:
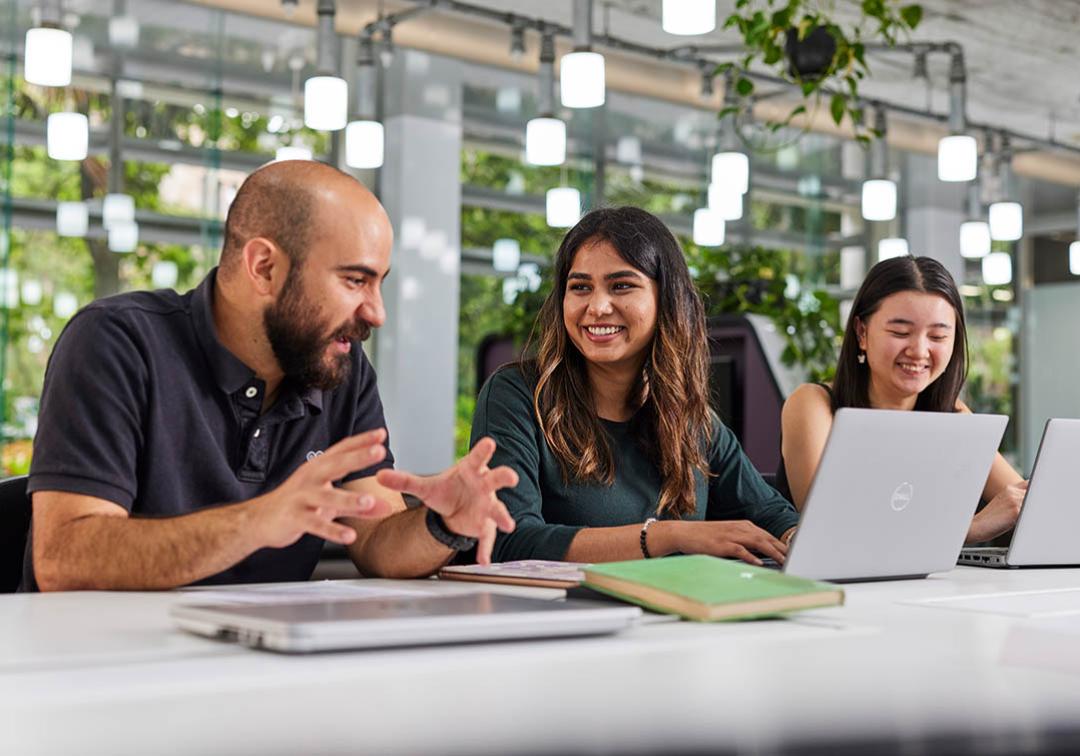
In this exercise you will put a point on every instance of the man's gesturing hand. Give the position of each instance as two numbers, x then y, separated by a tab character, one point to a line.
308	502
464	495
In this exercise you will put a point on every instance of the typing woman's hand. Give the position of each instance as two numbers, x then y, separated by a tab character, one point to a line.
464	495
999	516
738	539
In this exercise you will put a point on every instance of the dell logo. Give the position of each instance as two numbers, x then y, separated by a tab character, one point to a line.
313	454
901	497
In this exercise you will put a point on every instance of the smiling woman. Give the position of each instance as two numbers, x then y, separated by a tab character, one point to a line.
609	427
905	348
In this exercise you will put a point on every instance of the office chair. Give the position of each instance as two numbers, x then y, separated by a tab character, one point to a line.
14	526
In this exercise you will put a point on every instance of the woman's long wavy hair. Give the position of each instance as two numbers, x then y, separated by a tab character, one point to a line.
672	421
851	387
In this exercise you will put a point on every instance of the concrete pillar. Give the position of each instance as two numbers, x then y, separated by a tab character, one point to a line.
416	352
933	211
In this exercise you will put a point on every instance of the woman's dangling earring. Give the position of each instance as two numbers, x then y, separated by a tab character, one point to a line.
862	357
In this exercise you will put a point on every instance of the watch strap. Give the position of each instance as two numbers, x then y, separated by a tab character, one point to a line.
437	527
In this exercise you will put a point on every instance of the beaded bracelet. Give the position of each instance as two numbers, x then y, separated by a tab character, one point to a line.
644	543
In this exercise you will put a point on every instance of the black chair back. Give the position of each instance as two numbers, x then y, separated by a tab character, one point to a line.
14	527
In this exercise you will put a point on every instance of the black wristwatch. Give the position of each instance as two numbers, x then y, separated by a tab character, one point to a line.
439	532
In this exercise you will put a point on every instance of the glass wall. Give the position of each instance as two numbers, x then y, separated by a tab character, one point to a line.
184	100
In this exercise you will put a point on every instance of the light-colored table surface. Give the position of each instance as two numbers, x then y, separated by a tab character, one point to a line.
971	652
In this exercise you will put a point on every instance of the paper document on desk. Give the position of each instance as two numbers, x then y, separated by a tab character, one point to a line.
294	594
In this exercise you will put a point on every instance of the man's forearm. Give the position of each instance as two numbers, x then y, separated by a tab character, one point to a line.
102	552
398	546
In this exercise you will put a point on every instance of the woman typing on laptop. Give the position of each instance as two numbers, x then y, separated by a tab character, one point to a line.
904	348
609	427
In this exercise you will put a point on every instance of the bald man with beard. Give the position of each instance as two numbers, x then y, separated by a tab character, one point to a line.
221	436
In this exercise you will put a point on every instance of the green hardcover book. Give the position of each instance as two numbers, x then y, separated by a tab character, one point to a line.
708	588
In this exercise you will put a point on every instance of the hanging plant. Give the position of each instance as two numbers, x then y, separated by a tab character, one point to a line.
804	44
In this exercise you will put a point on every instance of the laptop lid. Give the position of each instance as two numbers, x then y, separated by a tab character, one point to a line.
372	623
894	494
1048	531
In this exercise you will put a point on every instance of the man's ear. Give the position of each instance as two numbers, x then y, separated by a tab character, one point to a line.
265	265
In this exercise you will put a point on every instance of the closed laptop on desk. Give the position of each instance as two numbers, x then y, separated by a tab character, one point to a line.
372	623
894	494
1048	531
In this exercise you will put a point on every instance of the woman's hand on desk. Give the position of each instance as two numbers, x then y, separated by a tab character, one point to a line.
999	516
738	539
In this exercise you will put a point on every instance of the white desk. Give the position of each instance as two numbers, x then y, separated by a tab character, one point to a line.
106	673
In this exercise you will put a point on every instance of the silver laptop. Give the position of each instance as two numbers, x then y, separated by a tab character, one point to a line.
894	494
300	627
1048	530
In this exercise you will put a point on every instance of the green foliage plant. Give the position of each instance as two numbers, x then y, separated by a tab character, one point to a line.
764	26
757	280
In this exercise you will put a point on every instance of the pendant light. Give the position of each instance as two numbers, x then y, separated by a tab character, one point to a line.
365	138
545	135
879	192
563	206
48	49
326	95
688	17
581	72
958	155
67	136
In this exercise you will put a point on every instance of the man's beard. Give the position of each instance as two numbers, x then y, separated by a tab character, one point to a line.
300	342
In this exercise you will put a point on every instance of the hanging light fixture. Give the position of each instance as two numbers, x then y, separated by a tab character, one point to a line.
164	274
878	200
123	31
293	152
117	209
975	232
958	158
32	292
563	205
124	236
628	150
326	95
365	138
545	135
997	269
709	228
892	247
48	49
688	17
729	169
1006	215
505	255
517	43
974	239
65	304
731	172
958	154
67	136
728	205
72	219
1006	221
879	192
581	72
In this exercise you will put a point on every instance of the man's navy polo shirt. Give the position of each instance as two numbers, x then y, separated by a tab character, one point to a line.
144	407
